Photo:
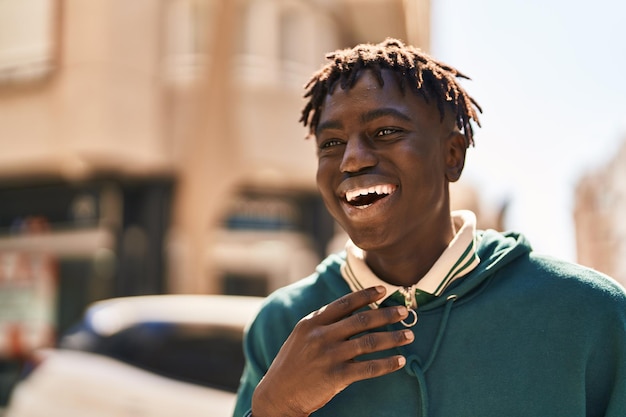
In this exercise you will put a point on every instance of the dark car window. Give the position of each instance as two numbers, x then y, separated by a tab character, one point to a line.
208	356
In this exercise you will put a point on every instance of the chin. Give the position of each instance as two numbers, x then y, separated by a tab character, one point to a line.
368	240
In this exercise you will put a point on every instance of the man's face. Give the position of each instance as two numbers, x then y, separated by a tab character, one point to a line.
384	161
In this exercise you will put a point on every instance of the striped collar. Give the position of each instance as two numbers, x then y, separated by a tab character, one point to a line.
457	260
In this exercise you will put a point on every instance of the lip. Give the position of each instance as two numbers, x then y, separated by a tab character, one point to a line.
361	214
366	213
363	181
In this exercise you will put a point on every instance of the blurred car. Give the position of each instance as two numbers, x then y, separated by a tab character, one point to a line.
148	356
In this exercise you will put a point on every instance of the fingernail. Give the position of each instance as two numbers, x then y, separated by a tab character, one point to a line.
379	289
408	334
402	310
401	361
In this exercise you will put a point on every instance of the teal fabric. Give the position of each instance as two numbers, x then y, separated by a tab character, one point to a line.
521	335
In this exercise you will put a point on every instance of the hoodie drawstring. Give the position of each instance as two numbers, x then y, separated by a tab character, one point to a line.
415	366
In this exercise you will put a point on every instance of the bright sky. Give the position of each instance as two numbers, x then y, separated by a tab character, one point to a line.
549	75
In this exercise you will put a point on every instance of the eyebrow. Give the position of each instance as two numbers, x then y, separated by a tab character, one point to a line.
330	124
365	118
385	111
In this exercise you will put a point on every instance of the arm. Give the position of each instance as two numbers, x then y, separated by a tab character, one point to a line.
606	371
317	361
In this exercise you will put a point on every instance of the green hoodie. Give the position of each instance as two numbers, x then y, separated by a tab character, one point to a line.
521	335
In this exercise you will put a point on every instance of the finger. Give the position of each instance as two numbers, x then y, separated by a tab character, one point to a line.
374	342
360	370
362	321
347	304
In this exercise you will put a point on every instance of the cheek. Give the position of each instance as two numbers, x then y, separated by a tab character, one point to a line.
320	174
324	179
423	173
326	186
419	161
327	170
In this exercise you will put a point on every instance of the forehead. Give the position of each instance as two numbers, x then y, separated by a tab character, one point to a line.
367	98
368	85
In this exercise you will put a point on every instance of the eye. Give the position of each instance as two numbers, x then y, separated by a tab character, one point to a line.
330	143
386	131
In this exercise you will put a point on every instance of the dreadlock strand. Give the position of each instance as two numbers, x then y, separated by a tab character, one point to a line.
413	68
378	72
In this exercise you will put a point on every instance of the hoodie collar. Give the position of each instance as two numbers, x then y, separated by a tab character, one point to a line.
456	261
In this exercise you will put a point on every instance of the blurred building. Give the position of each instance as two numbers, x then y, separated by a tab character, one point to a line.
154	146
600	204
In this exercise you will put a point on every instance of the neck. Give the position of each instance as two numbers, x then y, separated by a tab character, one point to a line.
406	265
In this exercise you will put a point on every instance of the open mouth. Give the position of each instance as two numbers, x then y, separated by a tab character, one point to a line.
365	197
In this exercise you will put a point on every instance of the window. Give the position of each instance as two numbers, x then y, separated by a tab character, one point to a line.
188	36
27	39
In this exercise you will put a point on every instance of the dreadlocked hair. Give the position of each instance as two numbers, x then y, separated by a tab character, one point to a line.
413	68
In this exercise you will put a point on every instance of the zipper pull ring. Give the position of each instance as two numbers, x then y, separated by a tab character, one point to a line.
409	297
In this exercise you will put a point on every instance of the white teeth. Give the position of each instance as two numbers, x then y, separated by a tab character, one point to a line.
377	189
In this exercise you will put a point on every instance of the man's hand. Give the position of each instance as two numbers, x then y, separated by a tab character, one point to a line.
317	360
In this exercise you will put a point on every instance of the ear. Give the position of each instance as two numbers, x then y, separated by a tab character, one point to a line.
455	148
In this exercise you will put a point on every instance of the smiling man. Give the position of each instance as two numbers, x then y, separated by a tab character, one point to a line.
422	314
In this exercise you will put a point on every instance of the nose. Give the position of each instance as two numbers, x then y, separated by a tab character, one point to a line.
358	154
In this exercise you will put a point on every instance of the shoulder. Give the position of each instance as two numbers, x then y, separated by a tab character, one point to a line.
566	286
576	275
510	259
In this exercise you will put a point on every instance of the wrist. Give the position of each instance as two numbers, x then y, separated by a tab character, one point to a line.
263	406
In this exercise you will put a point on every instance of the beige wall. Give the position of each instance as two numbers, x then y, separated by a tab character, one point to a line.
101	108
130	96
